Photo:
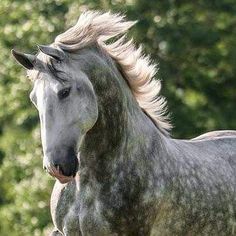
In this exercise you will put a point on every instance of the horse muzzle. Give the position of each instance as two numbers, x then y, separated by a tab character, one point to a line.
61	164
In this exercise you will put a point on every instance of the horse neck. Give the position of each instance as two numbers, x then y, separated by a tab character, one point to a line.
122	129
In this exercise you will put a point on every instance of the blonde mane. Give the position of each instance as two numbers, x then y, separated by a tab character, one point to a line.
139	71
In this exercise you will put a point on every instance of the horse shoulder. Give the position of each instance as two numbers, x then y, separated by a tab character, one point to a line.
64	206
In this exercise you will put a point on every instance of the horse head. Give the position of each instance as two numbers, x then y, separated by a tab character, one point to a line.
67	107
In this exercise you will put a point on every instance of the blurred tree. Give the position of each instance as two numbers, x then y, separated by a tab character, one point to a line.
194	43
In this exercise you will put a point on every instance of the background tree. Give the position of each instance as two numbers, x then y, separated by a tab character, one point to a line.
193	42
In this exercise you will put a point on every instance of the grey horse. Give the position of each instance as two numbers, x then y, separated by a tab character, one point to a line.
104	132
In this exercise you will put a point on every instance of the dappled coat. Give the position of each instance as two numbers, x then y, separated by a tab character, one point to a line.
99	103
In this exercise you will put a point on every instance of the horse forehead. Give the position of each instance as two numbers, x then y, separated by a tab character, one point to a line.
41	56
45	89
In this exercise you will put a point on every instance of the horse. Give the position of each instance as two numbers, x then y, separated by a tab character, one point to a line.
105	134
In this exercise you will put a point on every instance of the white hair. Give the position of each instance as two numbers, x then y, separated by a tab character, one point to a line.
137	68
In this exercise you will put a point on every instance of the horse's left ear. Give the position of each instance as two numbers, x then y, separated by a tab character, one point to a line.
26	60
52	52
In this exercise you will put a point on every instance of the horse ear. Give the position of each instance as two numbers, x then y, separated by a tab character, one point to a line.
52	52
26	60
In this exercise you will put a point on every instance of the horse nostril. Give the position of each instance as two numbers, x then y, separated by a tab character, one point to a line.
45	168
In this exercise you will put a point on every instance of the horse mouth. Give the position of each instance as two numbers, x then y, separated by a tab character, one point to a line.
62	165
57	173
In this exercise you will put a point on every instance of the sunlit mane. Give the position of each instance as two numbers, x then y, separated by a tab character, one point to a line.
137	68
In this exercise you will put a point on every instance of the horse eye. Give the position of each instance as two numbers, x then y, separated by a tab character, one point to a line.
64	93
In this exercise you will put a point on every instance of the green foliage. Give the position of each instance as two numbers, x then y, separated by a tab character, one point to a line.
194	43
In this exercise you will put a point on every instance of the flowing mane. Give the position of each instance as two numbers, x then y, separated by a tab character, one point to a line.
137	68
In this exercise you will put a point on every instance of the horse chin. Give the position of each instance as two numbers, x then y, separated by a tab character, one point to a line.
56	172
64	179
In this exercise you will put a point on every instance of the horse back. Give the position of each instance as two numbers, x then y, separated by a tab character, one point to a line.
216	134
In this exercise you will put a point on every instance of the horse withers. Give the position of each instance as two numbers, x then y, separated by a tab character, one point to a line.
98	105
